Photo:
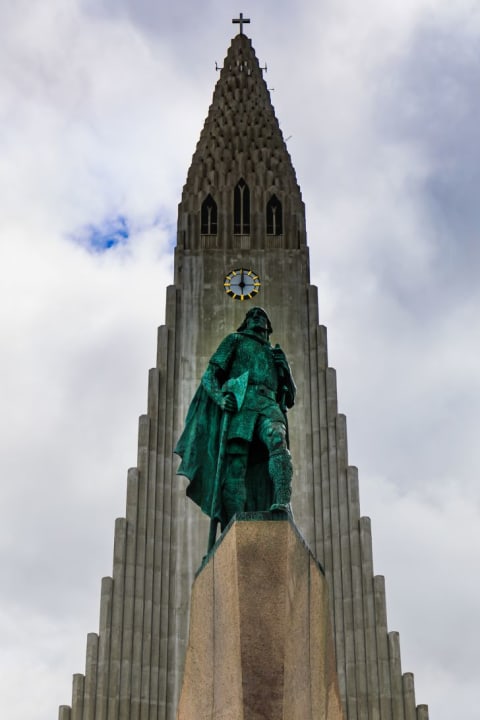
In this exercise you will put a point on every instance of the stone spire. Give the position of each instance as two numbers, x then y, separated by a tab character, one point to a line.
241	140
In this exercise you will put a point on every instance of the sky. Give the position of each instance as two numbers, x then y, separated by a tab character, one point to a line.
101	105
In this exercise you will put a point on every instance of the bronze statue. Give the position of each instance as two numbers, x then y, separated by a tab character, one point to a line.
234	447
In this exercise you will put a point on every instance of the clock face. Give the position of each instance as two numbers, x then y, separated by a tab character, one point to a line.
242	284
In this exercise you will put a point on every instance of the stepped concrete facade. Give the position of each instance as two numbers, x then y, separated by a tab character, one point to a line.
241	207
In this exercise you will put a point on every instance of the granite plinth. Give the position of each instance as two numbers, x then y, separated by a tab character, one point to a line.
260	644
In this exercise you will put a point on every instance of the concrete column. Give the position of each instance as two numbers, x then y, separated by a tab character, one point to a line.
325	521
313	427
409	697
357	593
104	648
141	530
398	712
129	595
304	436
91	663
178	582
346	568
422	712
158	556
369	619
336	569
322	347
320	468
382	648
64	712
149	700
119	550
164	524
77	696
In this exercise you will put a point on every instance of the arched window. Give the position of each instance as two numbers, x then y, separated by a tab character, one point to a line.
209	216
241	208
274	216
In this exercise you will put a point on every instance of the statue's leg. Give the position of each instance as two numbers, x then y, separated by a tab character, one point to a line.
234	492
273	434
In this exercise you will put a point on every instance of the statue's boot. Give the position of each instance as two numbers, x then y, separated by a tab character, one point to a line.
280	471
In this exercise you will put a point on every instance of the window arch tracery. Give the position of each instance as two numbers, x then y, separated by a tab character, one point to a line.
241	208
274	216
209	216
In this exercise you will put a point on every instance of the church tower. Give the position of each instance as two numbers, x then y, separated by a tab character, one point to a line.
241	242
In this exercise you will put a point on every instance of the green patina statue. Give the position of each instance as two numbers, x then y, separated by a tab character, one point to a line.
234	447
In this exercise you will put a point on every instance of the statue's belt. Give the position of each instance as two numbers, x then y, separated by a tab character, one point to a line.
263	390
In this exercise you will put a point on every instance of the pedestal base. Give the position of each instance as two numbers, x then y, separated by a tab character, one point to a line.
260	645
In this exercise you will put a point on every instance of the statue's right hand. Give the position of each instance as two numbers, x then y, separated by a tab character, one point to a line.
229	403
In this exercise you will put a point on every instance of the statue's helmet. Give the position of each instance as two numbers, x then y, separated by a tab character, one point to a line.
251	312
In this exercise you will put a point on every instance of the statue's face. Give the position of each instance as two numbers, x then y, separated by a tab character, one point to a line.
257	320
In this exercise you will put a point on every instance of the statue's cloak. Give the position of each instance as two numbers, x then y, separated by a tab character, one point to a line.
198	447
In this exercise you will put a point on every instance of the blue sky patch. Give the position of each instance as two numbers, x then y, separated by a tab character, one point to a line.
103	237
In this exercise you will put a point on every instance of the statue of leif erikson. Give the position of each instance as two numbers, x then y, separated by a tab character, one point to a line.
234	447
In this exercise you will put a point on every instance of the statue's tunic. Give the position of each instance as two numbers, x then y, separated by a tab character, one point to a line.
238	353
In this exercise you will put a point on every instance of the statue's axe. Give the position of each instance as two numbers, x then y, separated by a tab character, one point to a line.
238	387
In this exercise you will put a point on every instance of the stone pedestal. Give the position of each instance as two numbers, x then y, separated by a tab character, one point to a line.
260	644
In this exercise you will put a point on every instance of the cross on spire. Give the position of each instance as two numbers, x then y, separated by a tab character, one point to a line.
241	20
